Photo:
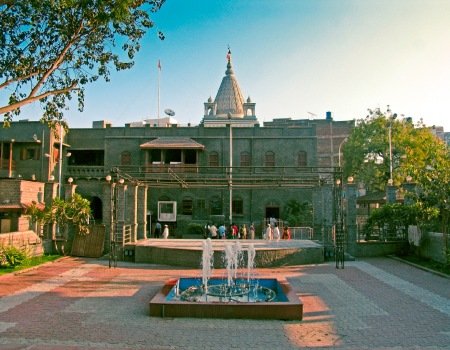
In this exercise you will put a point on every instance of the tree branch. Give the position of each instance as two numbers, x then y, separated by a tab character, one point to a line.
9	82
30	99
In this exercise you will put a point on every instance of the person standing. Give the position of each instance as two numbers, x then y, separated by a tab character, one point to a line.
222	231
276	232
286	233
268	232
234	231
243	232
206	231
213	231
157	229
252	231
166	232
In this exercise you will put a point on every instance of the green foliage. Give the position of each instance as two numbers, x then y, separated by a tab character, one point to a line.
15	256
195	229
76	211
49	49
400	215
298	214
366	152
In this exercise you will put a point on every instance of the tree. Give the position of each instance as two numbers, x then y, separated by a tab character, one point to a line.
433	178
298	214
49	49
75	211
366	152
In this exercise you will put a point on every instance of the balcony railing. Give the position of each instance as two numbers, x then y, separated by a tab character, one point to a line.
85	171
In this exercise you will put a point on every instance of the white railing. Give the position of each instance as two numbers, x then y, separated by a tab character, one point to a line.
301	232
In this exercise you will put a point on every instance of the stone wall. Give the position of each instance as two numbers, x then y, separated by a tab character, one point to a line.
432	247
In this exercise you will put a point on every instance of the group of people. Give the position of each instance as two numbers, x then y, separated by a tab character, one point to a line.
165	233
211	231
273	232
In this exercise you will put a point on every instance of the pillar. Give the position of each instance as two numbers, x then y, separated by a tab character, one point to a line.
69	190
328	210
50	191
142	212
108	191
351	218
131	210
318	212
409	187
391	197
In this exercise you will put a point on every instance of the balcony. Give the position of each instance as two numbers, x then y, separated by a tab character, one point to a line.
85	171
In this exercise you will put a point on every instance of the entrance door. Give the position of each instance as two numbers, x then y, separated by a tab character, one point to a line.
273	212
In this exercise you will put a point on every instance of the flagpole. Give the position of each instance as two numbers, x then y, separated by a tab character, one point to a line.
159	87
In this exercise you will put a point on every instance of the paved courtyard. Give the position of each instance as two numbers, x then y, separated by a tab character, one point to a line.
79	303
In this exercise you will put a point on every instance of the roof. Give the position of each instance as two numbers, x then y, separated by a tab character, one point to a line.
173	142
20	206
229	98
378	197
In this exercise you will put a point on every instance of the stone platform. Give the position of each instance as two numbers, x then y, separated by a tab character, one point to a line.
188	252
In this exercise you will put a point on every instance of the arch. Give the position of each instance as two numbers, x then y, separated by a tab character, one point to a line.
269	159
164	199
249	111
245	159
187	205
210	111
97	208
302	158
125	158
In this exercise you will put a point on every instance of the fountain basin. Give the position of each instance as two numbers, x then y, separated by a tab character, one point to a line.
285	306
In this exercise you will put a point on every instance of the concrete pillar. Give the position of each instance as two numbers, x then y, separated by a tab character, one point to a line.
328	210
391	195
142	212
318	212
121	199
131	210
108	190
50	192
69	190
351	218
409	187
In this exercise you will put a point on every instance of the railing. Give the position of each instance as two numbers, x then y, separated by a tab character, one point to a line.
301	232
85	171
393	232
4	164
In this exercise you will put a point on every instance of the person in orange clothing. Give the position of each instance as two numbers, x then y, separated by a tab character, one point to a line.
286	233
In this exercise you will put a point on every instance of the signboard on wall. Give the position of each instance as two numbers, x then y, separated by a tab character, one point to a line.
167	211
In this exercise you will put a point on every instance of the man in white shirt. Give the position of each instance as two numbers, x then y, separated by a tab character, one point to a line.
213	231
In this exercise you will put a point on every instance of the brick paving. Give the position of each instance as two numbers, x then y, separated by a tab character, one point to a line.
75	304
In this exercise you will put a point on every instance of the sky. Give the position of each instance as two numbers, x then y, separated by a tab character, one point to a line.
293	57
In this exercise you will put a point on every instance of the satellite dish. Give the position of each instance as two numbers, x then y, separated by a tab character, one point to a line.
169	112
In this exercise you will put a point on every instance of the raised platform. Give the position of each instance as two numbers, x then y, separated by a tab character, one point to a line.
188	252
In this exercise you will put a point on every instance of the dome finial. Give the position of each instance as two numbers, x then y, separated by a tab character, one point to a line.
229	70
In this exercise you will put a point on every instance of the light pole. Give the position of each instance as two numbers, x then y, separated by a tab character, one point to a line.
345	140
231	170
389	124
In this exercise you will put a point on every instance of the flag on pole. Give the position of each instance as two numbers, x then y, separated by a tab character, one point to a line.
159	64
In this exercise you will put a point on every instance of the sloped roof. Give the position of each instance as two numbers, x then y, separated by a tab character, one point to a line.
20	207
378	197
229	98
172	142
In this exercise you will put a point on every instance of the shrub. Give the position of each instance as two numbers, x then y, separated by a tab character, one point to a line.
15	256
195	229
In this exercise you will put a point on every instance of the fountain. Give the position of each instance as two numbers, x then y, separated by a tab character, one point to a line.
236	296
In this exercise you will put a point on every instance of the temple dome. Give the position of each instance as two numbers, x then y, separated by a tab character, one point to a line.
229	98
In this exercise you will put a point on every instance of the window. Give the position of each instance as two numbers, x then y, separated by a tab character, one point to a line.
201	203
87	157
245	159
30	154
270	159
215	206
56	155
126	158
238	207
187	206
302	159
214	160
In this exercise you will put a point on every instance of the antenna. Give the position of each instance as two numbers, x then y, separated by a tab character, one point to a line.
311	115
169	112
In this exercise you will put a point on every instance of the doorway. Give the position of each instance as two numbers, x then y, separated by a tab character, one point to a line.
273	212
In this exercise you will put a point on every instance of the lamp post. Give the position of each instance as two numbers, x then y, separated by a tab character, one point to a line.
231	170
389	124
345	140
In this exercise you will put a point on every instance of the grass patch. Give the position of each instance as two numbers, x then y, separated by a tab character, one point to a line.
431	264
4	269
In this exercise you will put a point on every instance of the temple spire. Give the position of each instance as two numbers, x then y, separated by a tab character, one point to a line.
229	70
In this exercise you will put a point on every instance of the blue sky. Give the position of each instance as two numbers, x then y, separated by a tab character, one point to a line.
291	56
